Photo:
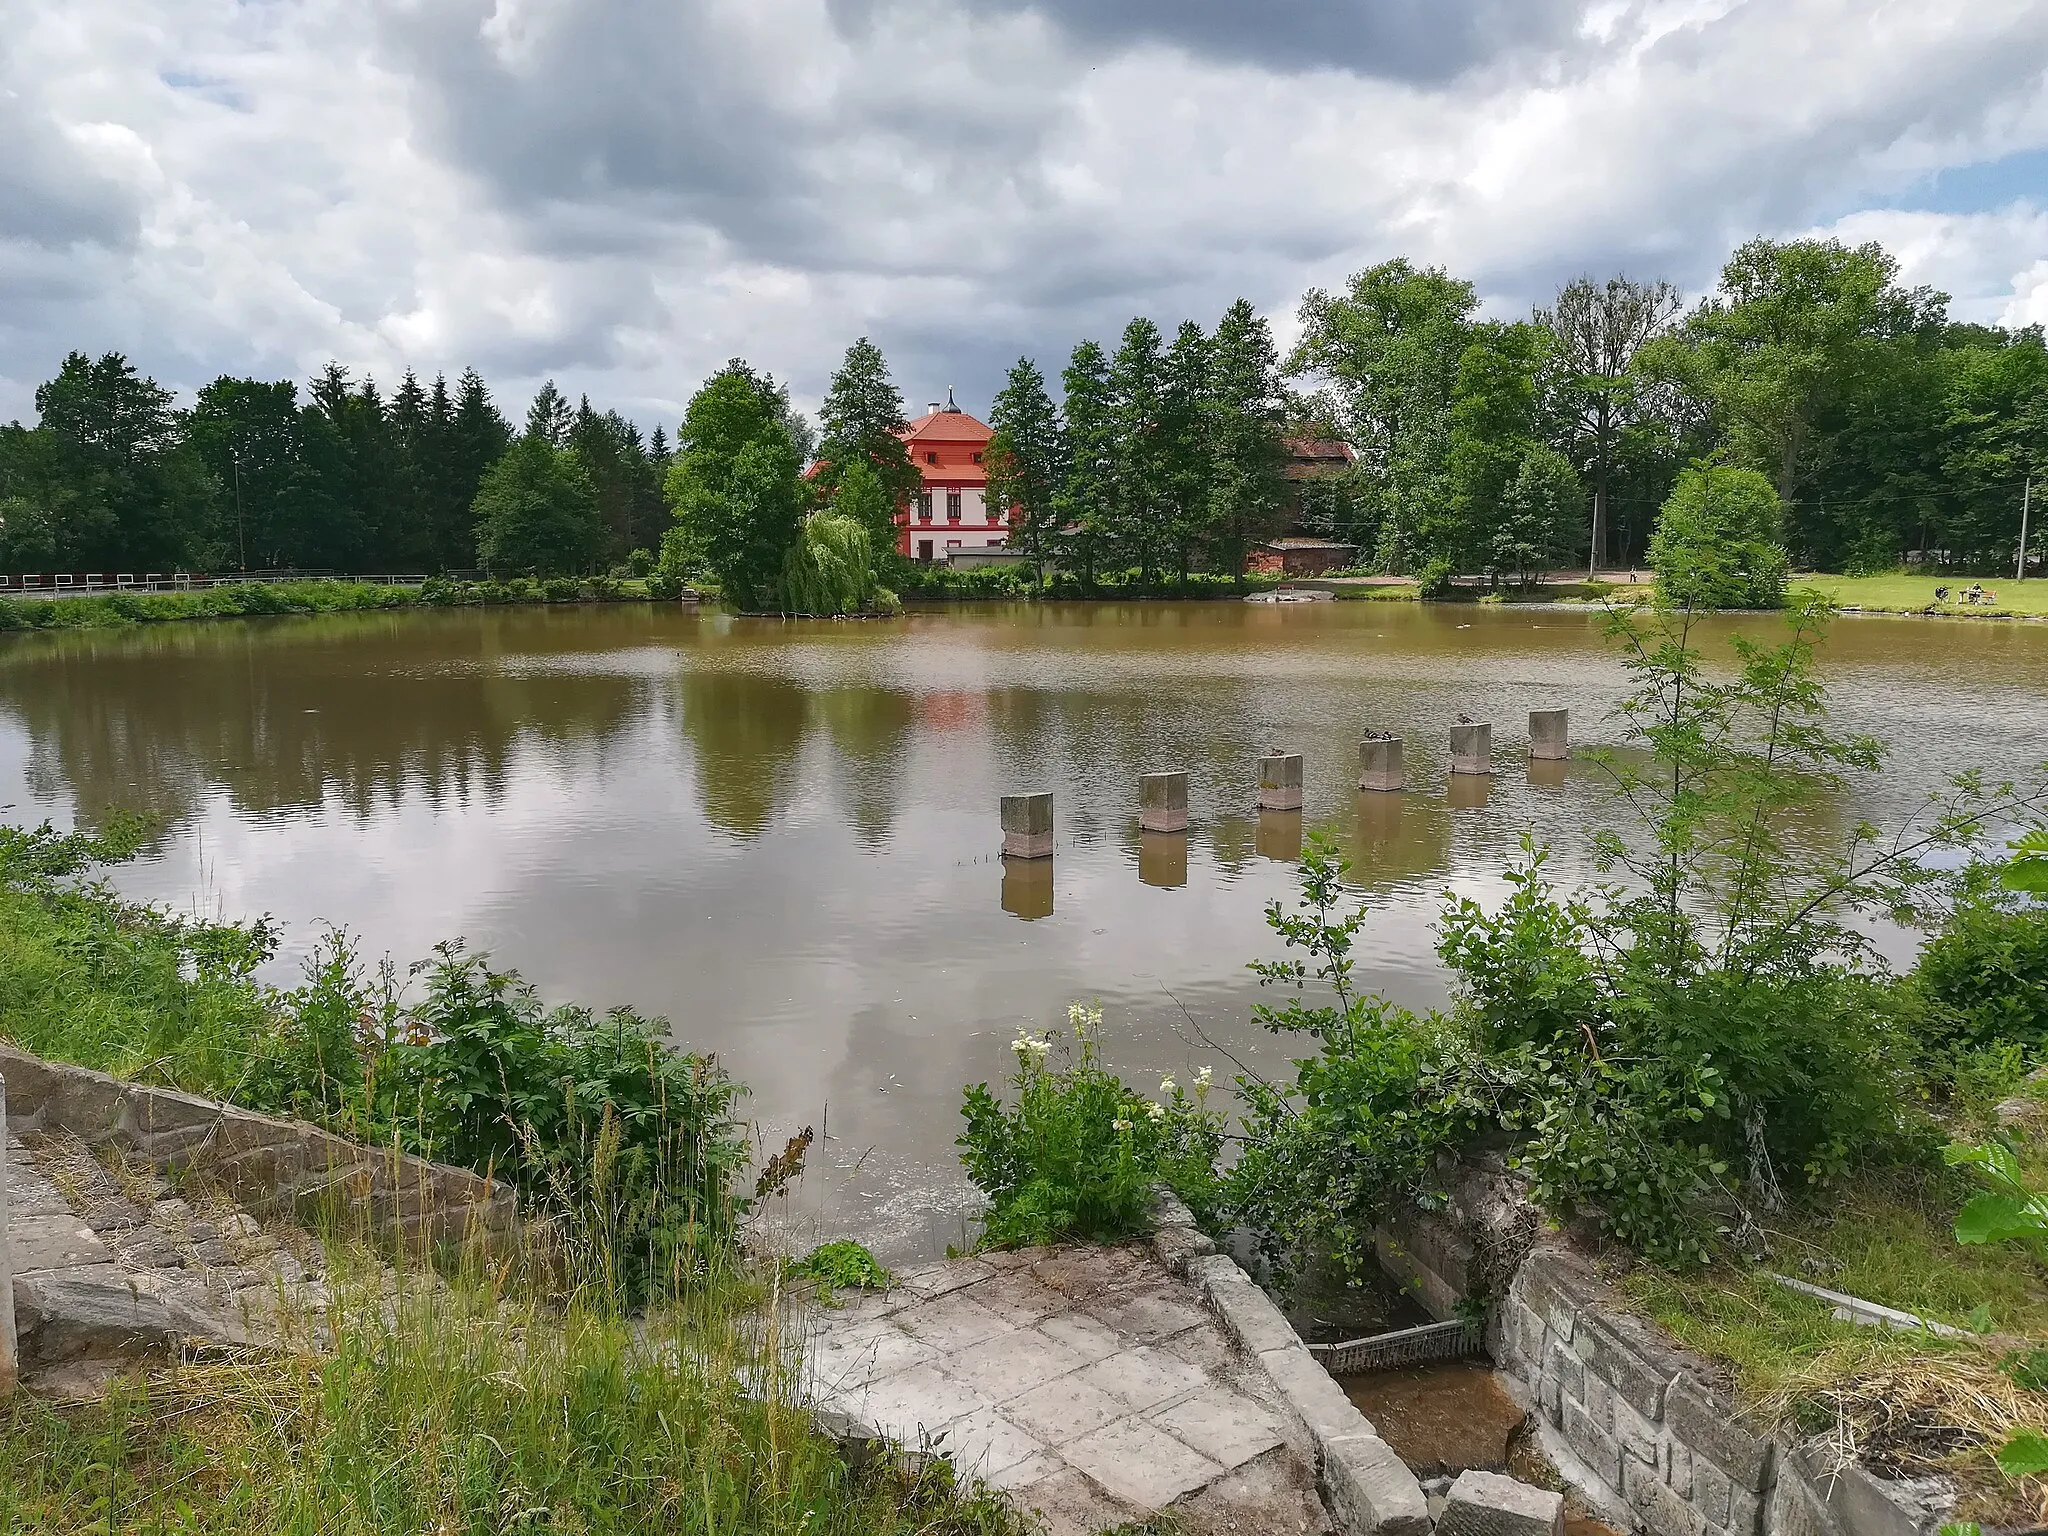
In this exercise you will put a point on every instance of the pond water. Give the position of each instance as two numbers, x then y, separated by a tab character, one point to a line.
783	836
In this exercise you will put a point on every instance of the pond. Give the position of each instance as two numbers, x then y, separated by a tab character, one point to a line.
784	838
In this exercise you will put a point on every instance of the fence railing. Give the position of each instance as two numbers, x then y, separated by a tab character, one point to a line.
98	583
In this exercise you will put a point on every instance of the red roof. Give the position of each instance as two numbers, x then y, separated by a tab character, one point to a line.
954	426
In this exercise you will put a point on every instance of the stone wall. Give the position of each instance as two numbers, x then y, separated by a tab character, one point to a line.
10	1364
265	1164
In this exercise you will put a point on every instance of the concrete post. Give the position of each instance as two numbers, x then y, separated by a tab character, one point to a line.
1163	802
1280	781
1547	734
1379	764
1472	748
1027	826
9	1360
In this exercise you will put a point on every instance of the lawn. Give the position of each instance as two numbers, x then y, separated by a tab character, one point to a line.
1895	593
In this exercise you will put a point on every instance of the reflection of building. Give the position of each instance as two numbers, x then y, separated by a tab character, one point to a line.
950	511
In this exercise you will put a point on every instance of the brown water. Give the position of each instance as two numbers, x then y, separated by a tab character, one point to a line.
783	836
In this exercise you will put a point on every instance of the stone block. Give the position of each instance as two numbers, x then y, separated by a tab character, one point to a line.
1247	1313
1663	1511
1560	1362
1626	1359
1010	1364
1370	1489
93	1310
1147	1319
55	1242
1556	1286
1311	1396
1678	1472
953	1322
1638	1435
1163	802
1549	732
1140	1463
1064	1409
1225	1426
1709	1428
1599	1450
1178	1247
1280	781
1167	1209
1712	1492
1143	1379
1027	826
1490	1504
1523	1336
1379	764
1472	748
1745	1509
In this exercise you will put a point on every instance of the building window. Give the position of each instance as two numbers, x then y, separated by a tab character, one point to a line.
977	458
997	543
924	550
931	458
924	506
952	506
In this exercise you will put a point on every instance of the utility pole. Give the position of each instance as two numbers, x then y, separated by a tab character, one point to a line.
2026	505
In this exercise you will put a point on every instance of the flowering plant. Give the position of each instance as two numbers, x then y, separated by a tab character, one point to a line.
1077	1154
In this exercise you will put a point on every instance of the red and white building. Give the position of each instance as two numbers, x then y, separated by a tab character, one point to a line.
950	512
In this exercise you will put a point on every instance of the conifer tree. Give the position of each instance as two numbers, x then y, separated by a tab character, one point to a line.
1027	462
861	415
1139	458
1244	412
1184	454
1084	506
550	416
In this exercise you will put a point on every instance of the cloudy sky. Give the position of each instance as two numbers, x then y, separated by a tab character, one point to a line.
622	193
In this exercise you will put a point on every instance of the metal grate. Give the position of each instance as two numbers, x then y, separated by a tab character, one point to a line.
1405	1346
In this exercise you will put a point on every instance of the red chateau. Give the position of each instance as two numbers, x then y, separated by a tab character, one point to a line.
950	511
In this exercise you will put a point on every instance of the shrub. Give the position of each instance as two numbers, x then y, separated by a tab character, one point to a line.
1983	976
1716	544
561	589
1433	581
1078	1154
829	567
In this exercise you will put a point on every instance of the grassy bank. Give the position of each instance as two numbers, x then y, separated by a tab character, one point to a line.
1898	593
242	600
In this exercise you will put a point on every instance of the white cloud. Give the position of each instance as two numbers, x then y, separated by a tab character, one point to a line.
623	195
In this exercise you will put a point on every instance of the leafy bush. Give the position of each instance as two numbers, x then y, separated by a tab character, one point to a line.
829	568
845	1266
2008	1209
1433	581
1078	1154
1717	541
1983	976
561	589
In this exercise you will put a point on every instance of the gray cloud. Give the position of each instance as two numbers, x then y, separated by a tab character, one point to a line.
1425	41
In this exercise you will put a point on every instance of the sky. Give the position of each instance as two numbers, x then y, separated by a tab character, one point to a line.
621	194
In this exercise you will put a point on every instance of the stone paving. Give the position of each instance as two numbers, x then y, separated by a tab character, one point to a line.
110	1262
1087	1383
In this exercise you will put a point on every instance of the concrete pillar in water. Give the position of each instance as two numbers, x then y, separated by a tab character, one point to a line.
1379	763
1280	781
1027	826
1027	888
1472	747
1547	772
1469	791
1163	859
1547	734
9	1364
1163	801
1278	836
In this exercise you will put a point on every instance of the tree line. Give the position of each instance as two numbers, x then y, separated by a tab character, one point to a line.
1875	424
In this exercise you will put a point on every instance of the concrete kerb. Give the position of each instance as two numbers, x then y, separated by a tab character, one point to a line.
1368	1490
9	1343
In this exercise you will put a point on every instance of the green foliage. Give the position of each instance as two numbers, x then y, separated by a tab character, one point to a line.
1360	1127
864	500
1077	1155
1716	544
627	1144
843	1265
736	487
2008	1209
2024	1454
830	570
1026	460
861	414
2027	867
1539	514
1980	976
536	513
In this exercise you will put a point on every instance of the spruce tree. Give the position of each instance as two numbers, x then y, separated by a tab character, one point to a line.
536	514
1186	471
1027	462
862	414
1247	484
480	437
1138	455
1084	507
549	417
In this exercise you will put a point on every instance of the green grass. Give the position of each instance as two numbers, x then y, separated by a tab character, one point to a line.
1887	1239
1897	593
115	610
459	1409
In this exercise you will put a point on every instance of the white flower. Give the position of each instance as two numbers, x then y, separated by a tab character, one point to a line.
1030	1045
1081	1016
1166	1087
1156	1111
1202	1077
1119	1124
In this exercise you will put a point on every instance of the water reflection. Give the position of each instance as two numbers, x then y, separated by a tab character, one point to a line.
777	835
1027	888
1279	836
1163	859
